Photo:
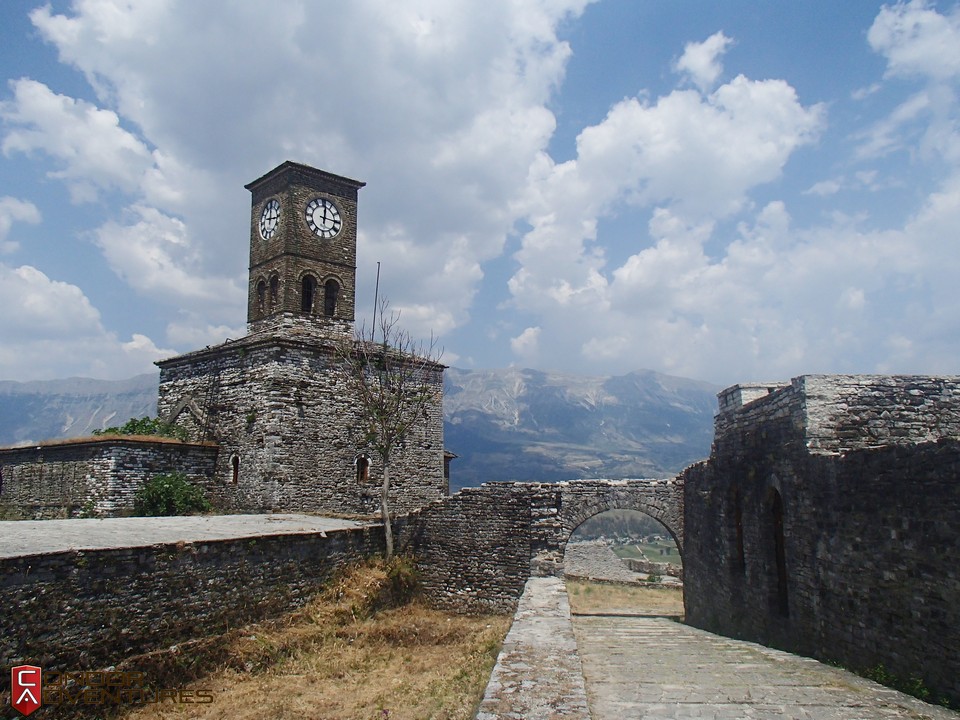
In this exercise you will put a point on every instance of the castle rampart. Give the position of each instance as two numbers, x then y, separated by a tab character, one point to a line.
824	522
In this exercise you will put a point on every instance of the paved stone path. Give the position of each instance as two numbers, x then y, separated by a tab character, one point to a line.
654	668
30	537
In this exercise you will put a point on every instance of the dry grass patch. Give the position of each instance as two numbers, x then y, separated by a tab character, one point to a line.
350	655
592	597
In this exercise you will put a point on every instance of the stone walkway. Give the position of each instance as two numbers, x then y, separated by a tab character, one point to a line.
654	668
31	537
628	667
538	674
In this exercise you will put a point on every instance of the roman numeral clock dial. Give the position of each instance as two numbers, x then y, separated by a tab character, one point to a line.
269	219
323	217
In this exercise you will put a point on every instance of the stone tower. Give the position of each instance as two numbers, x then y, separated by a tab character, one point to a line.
303	248
276	401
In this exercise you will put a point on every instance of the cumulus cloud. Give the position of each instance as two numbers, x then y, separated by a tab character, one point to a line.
692	157
917	40
701	61
153	253
51	329
768	300
527	344
13	210
93	151
918	43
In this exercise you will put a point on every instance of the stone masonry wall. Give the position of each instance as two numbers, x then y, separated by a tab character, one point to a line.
473	548
93	477
477	548
90	609
281	406
866	568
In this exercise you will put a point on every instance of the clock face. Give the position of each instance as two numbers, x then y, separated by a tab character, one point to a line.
269	219
323	217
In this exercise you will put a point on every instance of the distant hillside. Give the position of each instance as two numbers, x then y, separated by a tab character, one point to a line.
44	410
518	424
504	424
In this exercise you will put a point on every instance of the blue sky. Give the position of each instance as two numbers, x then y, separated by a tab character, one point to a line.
727	191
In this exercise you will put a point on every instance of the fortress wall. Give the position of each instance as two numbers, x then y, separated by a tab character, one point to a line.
869	570
849	412
94	477
473	548
91	609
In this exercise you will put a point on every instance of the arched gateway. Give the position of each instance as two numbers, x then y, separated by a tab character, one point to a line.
479	547
557	510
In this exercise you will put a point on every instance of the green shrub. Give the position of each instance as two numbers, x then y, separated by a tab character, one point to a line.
403	579
169	494
146	426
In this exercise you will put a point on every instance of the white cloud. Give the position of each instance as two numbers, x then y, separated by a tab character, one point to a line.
701	61
918	43
696	157
527	344
13	210
917	40
93	151
825	187
155	254
50	330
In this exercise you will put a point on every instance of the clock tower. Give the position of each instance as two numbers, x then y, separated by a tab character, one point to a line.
303	248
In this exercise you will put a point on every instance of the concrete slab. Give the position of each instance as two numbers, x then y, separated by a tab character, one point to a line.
33	537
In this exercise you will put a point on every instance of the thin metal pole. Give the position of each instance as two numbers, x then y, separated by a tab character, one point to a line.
376	299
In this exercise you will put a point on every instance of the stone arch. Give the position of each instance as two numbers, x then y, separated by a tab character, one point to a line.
557	509
274	291
331	295
261	295
660	499
308	292
775	541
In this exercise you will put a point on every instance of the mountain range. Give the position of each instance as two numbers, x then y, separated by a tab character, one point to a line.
508	424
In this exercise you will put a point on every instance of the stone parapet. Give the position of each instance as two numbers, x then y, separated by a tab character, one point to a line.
94	477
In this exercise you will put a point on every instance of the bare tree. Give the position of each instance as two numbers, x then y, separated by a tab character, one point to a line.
395	379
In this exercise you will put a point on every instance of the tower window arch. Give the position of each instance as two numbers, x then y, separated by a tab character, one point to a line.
308	291
235	469
274	291
261	296
331	288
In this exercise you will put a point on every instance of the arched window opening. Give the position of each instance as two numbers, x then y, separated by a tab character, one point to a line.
739	559
331	288
782	604
307	293
274	291
261	296
363	468
235	469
